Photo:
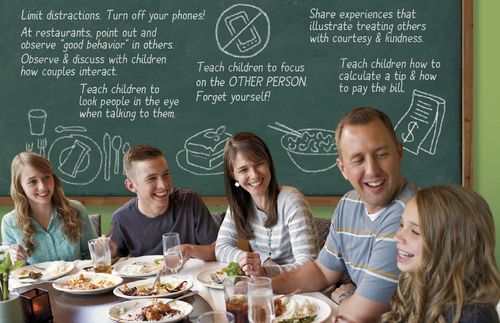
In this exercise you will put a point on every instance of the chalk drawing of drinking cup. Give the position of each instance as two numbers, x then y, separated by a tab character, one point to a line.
37	119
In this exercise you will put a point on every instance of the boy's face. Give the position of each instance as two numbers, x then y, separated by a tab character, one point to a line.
151	181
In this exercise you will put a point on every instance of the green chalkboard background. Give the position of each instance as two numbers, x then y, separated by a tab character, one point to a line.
87	152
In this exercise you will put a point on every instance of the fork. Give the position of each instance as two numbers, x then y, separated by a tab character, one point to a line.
29	146
215	278
41	144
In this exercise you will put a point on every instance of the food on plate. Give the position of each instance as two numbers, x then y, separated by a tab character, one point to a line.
294	310
27	273
156	311
145	290
42	270
232	269
80	282
141	267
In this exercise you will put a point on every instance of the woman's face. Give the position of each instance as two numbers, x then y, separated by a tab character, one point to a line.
254	177
38	186
409	240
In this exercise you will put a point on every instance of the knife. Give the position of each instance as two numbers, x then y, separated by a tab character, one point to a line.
106	145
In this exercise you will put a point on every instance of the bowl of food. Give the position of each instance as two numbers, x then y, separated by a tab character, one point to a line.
313	151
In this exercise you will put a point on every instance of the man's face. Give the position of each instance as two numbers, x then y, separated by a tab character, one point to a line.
151	181
370	160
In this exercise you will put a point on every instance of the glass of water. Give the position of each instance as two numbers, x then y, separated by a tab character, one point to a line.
260	300
172	253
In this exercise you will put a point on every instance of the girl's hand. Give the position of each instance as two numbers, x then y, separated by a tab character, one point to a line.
17	252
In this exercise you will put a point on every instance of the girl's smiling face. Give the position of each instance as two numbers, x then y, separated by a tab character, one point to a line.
409	240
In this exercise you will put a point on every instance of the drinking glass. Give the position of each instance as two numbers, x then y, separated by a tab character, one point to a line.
260	300
100	253
216	317
172	254
235	295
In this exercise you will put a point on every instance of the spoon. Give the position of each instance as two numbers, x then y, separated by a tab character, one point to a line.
116	144
60	129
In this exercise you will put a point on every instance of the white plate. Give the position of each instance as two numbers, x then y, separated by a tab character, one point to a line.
125	311
323	310
65	267
173	281
139	267
62	283
203	277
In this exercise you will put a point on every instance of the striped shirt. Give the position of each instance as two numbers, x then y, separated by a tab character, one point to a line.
293	238
364	248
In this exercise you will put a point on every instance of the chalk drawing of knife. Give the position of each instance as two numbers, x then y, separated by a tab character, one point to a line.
106	145
116	144
60	129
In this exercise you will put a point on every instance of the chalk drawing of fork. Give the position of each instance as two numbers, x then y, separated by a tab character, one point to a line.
42	144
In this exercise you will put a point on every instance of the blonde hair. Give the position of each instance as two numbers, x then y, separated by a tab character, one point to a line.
71	220
458	262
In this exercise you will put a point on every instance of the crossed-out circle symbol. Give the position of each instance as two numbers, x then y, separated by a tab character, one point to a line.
242	30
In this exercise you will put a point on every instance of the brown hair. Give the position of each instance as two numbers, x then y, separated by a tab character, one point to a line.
139	153
363	116
71	220
240	201
458	261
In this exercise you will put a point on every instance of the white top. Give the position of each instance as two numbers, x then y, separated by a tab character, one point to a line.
292	242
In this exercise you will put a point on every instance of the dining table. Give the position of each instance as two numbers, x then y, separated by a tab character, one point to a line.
91	308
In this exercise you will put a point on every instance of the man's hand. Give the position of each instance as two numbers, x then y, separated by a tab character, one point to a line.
343	292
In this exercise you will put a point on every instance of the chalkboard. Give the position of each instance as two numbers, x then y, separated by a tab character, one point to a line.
83	81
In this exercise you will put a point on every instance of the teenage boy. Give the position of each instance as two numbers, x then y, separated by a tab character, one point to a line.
158	208
361	238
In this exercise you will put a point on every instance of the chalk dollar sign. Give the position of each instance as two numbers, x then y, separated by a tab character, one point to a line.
409	137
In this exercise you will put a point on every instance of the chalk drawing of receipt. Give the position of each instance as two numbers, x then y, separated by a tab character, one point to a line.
247	36
420	127
77	158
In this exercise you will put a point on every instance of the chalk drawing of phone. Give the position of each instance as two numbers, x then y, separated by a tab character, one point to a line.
247	35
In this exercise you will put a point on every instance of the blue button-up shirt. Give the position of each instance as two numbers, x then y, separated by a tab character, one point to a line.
52	244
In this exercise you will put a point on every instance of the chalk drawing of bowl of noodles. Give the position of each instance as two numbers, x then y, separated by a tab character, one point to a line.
313	151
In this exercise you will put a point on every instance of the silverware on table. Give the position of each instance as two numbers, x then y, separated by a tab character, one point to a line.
215	278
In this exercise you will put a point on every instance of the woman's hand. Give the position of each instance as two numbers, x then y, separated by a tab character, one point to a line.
251	264
17	253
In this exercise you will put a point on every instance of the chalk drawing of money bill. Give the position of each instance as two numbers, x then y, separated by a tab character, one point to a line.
420	127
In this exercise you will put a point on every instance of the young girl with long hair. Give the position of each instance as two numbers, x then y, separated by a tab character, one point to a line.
276	221
446	245
44	225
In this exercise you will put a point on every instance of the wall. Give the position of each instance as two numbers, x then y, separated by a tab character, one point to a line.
486	147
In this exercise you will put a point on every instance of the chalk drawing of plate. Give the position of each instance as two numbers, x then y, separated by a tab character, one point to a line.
196	170
76	158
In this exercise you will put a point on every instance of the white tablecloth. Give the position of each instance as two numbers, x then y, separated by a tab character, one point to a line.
215	297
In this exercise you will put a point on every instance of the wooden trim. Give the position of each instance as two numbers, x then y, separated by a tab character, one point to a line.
467	91
219	201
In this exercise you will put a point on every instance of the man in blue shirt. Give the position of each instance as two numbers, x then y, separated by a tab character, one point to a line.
360	241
